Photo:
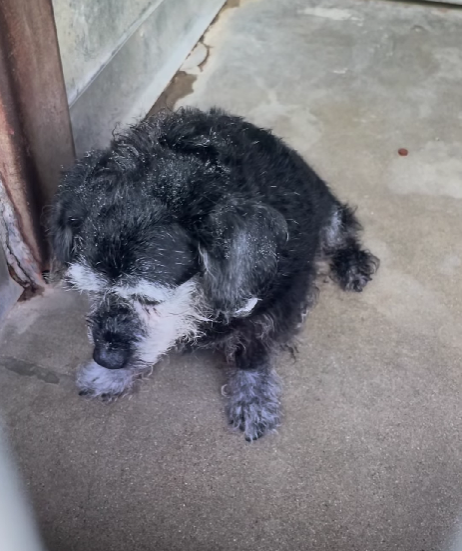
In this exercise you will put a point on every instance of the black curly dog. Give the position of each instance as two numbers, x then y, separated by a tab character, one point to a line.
200	229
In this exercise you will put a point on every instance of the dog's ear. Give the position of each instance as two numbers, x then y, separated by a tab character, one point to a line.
240	245
66	219
194	135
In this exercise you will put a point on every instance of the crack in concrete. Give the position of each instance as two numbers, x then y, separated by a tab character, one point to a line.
182	84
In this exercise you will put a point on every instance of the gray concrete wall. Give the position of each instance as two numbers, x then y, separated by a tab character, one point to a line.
118	57
90	32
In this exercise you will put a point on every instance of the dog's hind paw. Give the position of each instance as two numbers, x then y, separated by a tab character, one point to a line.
353	268
253	405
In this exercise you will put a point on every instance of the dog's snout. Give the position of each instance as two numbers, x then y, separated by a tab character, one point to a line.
114	328
111	358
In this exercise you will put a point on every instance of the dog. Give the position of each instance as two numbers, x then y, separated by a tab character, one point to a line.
199	229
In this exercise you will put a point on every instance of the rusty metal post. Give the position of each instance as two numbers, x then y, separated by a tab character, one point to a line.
35	132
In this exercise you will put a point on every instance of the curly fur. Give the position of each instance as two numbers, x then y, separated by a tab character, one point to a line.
200	229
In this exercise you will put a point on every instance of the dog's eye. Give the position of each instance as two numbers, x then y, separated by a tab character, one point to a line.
146	301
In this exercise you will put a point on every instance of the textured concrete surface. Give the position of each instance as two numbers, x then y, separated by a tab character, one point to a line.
369	457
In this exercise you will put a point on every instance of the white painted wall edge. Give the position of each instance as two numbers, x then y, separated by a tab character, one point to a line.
10	291
17	525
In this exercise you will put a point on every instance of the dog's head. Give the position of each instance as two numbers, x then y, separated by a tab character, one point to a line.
155	274
134	263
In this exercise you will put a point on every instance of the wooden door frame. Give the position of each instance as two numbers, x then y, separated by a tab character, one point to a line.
35	134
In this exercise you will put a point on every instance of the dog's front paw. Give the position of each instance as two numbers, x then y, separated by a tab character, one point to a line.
106	397
95	381
253	405
254	419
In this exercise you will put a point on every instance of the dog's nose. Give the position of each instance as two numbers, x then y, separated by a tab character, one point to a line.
110	358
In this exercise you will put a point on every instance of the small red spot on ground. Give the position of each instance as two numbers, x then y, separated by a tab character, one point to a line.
403	152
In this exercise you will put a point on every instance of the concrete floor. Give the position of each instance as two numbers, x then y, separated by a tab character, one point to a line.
369	457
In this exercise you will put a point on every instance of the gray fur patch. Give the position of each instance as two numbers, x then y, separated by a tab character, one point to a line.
253	401
333	236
